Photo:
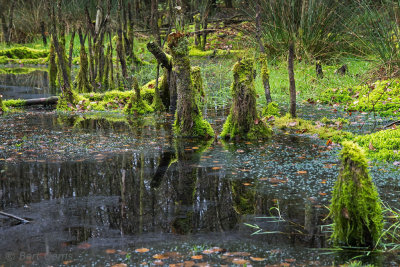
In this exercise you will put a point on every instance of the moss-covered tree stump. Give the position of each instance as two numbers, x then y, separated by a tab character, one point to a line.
355	205
189	121
136	104
243	121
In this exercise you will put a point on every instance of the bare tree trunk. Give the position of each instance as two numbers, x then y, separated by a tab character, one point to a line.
154	21
7	29
43	32
292	81
120	46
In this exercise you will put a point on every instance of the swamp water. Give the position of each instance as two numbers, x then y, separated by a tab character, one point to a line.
97	187
25	83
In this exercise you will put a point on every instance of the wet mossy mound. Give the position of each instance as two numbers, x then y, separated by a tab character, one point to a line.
324	129
382	97
243	121
196	52
272	109
19	71
355	205
14	103
3	108
382	145
23	55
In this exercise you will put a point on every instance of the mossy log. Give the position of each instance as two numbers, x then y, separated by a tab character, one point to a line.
243	121
355	205
2	106
189	121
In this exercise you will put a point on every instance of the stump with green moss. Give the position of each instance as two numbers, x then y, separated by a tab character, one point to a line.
355	205
136	105
243	121
189	121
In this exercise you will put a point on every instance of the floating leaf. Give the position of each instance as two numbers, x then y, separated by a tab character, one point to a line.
119	265
111	251
197	257
160	257
158	262
302	172
216	168
142	250
257	259
84	246
329	142
240	261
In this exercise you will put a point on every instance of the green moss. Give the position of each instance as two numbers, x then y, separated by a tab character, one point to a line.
24	53
14	103
243	121
271	110
197	81
17	70
355	205
264	68
196	52
64	105
3	107
382	145
200	127
136	105
308	127
83	85
382	97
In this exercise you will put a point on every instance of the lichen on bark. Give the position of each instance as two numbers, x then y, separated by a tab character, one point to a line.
243	121
355	205
189	121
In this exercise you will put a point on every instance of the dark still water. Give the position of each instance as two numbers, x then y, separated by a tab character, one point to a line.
104	189
25	83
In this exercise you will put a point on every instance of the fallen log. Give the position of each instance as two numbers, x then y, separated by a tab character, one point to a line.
32	102
14	217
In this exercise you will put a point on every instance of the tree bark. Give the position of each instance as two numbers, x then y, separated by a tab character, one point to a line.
43	32
292	82
161	57
71	49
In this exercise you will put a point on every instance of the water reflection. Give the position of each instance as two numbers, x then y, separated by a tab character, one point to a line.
26	84
159	190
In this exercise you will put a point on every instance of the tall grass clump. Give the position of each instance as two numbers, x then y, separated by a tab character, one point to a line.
377	32
315	27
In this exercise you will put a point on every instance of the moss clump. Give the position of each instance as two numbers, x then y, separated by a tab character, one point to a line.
308	127
355	205
382	145
64	104
243	121
3	108
24	53
14	103
17	70
196	52
271	110
136	105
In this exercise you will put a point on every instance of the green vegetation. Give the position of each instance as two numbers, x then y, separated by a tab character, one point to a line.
323	130
243	121
355	205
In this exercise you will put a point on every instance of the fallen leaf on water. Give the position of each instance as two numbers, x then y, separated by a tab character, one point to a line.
322	194
67	262
208	251
110	251
195	147
246	184
302	172
257	259
158	262
197	257
240	151
216	168
189	263
119	265
160	257
329	142
84	246
142	250
240	261
323	182
290	260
